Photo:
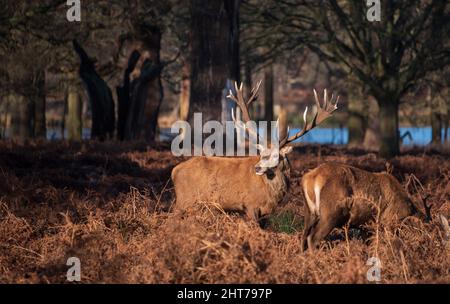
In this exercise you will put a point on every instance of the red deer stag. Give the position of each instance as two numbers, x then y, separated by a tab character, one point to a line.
251	185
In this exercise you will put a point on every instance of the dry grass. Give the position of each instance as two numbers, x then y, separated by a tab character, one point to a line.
109	205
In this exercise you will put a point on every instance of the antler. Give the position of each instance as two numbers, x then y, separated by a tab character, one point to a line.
323	112
244	105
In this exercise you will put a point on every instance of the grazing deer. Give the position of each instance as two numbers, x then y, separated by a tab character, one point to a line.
338	195
251	185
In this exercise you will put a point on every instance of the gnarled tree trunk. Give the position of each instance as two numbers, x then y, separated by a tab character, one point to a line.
100	97
141	95
123	95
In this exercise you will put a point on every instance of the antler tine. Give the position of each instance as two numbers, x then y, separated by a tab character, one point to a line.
243	105
323	112
232	97
254	93
304	130
316	98
239	93
242	125
239	100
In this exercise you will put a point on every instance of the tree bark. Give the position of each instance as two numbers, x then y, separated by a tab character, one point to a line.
74	114
21	117
389	132
100	97
357	122
214	54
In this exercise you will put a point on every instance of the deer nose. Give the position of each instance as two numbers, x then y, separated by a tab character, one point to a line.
259	170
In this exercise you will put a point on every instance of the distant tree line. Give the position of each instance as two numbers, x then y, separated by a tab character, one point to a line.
210	44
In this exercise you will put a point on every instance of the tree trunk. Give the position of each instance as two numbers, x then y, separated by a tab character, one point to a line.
255	107
436	120
185	92
21	117
74	114
100	97
146	91
4	110
268	93
150	78
40	129
357	122
436	127
282	123
389	132
124	96
446	119
146	95
214	54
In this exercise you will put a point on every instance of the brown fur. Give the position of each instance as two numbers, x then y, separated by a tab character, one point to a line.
352	196
232	183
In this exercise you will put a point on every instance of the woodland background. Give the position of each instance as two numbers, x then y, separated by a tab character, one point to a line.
85	167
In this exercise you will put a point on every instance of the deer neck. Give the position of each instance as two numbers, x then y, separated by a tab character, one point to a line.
277	182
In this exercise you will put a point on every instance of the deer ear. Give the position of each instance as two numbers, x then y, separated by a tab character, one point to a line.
285	150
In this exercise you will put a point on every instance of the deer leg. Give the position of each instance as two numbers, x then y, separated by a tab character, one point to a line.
320	231
306	228
309	223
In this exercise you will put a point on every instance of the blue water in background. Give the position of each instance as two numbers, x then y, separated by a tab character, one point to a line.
338	136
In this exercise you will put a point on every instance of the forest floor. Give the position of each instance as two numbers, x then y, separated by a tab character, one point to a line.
109	204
